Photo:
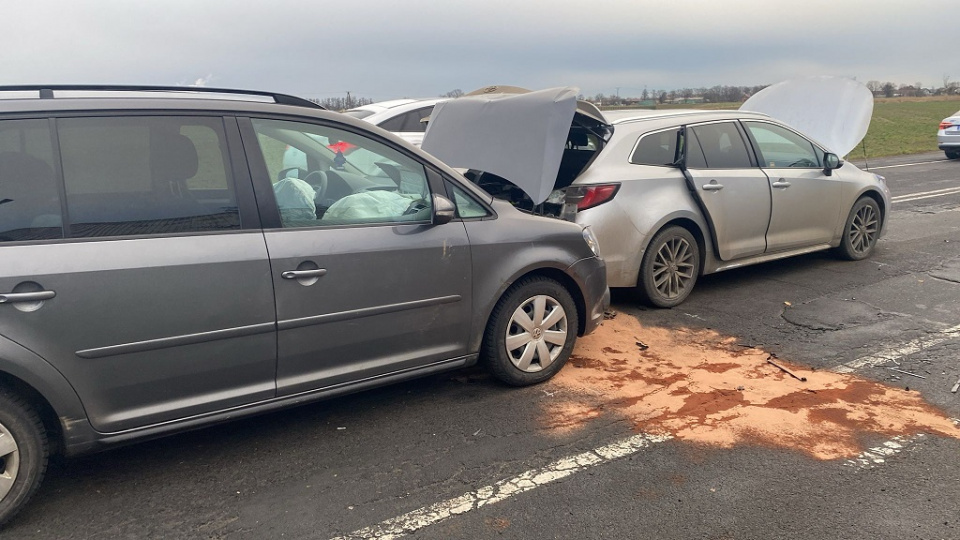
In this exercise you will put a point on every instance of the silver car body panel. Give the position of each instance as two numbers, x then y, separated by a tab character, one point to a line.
835	111
949	139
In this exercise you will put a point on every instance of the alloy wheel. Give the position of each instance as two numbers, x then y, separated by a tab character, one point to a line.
673	267
863	229
9	461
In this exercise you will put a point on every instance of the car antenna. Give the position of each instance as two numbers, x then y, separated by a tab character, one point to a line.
866	164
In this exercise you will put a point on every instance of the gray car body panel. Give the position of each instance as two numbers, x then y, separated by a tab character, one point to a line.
217	306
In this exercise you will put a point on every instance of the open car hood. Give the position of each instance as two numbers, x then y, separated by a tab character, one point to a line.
510	132
835	111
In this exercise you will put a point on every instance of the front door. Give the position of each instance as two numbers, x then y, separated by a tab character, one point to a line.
806	202
366	286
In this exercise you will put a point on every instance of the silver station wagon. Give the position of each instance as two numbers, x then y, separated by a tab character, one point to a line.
162	269
673	195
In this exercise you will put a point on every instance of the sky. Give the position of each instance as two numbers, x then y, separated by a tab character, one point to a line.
382	49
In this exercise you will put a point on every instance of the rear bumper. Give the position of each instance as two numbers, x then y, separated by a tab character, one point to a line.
591	276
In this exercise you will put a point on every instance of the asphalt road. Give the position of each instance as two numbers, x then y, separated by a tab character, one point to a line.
850	453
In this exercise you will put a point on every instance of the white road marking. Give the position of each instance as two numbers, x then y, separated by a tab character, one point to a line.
899	351
878	455
925	195
906	164
428	515
412	522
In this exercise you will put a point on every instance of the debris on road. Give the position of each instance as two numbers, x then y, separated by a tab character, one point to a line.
609	315
643	346
907	373
783	369
956	387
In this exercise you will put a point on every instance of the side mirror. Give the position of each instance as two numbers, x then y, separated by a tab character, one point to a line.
831	161
443	210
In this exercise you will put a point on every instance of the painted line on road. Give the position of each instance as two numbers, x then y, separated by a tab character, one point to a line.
411	522
429	515
898	351
906	164
925	195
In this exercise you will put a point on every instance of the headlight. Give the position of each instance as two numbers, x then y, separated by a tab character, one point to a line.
591	240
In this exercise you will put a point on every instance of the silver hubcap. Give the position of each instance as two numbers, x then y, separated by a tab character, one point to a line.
9	461
863	229
536	334
673	267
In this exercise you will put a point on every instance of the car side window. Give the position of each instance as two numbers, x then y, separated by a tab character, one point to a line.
323	176
658	148
467	206
142	175
29	190
780	147
722	146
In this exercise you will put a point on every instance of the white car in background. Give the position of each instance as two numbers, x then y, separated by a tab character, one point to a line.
405	117
948	138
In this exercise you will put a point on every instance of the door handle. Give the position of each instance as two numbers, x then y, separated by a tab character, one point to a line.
781	183
712	186
13	298
300	274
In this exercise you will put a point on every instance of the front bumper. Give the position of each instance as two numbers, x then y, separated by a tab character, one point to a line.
591	276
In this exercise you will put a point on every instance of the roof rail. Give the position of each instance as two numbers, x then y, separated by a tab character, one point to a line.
47	91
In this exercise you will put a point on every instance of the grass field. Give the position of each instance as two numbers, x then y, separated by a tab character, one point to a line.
899	125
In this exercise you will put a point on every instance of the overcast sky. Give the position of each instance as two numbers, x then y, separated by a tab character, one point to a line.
384	49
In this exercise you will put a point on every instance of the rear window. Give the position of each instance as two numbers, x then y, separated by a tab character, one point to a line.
146	175
722	146
659	148
29	191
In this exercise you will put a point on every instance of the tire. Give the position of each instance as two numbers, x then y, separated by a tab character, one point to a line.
670	268
23	453
540	345
860	231
952	154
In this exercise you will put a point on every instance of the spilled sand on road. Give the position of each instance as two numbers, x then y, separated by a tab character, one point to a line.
702	387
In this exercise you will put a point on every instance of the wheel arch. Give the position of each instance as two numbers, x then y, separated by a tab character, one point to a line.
40	404
693	228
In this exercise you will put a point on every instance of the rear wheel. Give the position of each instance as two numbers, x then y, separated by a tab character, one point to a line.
23	453
531	332
670	267
952	154
861	231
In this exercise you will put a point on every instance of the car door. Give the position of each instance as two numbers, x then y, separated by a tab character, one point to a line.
733	191
366	285
127	261
805	201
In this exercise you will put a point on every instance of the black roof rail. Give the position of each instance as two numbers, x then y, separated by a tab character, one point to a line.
46	91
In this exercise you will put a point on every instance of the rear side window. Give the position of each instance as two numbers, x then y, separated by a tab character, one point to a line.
29	191
722	146
146	175
408	122
659	148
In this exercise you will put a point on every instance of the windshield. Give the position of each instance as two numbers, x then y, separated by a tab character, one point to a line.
358	113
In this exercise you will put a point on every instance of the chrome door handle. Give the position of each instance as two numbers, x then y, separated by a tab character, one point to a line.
781	184
712	186
13	298
300	274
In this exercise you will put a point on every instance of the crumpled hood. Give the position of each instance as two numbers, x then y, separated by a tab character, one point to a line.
518	136
835	111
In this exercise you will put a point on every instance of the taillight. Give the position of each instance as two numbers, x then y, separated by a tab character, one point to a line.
596	195
945	124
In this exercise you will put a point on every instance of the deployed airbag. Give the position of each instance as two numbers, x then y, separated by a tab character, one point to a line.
519	137
835	111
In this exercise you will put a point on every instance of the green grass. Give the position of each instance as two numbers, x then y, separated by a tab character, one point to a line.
899	125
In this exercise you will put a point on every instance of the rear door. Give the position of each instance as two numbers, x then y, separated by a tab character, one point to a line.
733	191
806	202
366	286
136	264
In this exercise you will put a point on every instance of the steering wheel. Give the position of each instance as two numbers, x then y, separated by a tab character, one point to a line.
318	180
295	172
803	163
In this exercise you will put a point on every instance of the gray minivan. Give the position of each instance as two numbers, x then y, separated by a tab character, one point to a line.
160	268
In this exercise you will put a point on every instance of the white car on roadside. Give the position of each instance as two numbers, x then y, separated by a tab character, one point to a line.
405	117
948	137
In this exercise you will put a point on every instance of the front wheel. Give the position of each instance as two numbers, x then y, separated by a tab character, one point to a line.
23	453
531	332
861	231
670	267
